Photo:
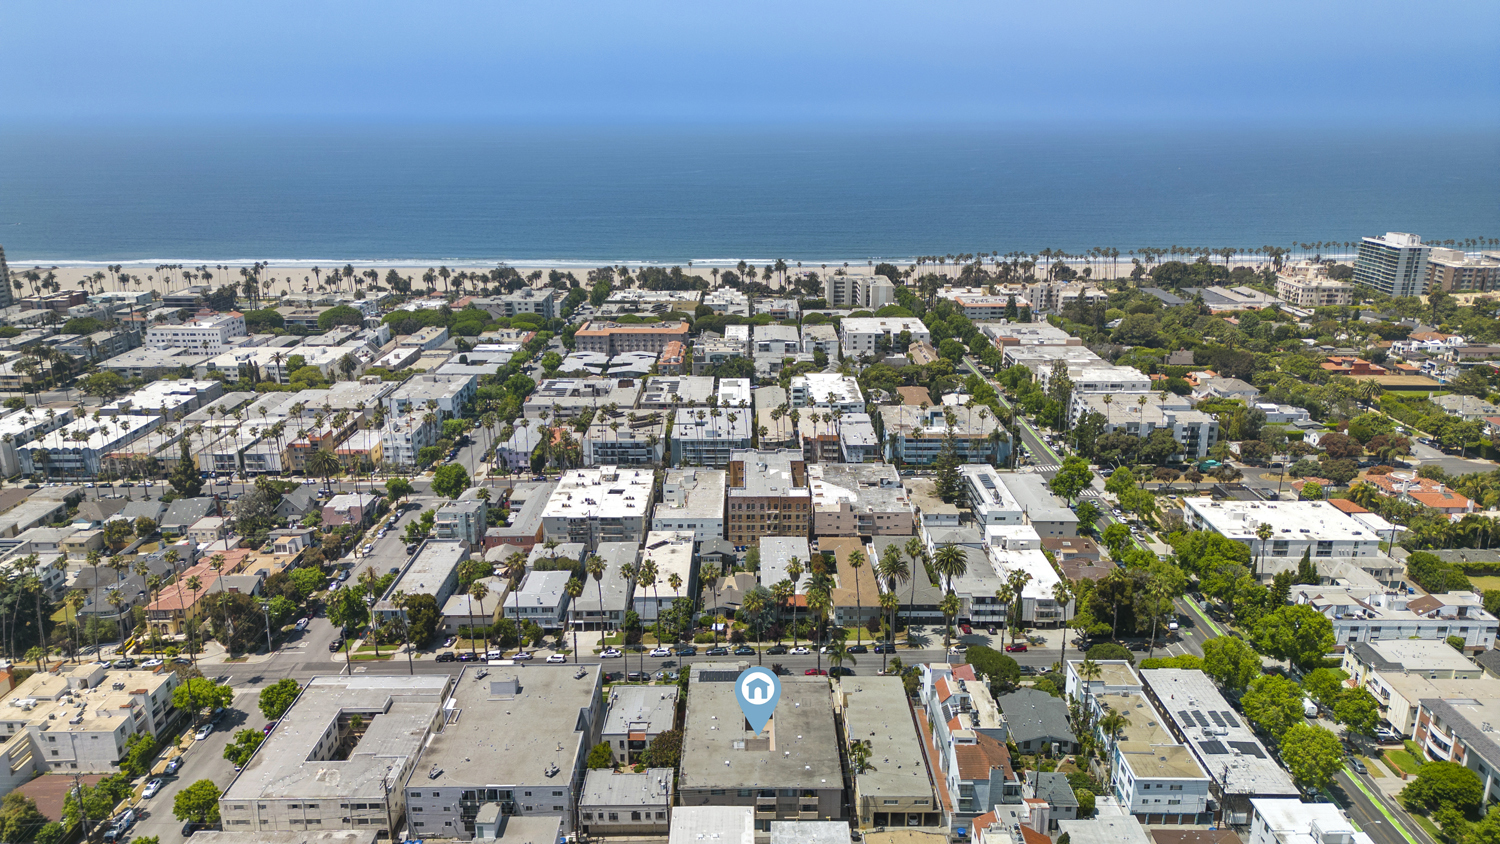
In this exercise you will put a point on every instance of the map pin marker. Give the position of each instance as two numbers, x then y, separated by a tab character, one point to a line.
757	689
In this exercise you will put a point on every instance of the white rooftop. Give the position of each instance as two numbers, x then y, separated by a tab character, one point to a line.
601	492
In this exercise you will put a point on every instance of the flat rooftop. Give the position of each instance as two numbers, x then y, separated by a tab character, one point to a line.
1295	520
703	494
640	709
867	487
1147	744
512	725
876	709
601	492
651	787
428	570
798	747
295	760
1221	738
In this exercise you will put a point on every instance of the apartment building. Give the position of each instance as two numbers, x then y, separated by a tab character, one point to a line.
693	499
828	391
1401	672
546	303
887	795
462	521
821	335
672	359
1395	264
1306	285
859	500
1452	271
1364	614
1195	432
626	803
614	338
1297	526
768	496
864	335
915	437
599	504
1156	778
403	437
208	332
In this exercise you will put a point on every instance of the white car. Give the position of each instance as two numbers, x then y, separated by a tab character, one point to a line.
151	789
302	623
489	655
800	651
556	658
153	663
521	656
611	653
203	732
1172	625
661	652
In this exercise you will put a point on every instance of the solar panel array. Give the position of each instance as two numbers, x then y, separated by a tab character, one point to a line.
1212	748
718	676
1202	722
1229	719
1216	718
1249	748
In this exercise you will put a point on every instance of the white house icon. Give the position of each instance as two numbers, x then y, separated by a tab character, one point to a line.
757	690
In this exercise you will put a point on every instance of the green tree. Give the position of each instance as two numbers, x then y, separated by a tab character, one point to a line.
198	803
1116	538
277	698
665	751
601	757
1325	685
1001	670
1072	479
140	749
1443	785
397	488
450	480
185	478
197	694
20	819
1230	662
1273	703
340	315
1297	633
423	618
1312	755
243	747
307	580
1110	650
1357	710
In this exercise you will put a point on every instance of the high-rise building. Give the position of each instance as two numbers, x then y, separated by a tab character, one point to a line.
1453	271
1395	264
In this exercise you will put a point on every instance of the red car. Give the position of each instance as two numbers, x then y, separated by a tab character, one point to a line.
814	672
967	629
1018	648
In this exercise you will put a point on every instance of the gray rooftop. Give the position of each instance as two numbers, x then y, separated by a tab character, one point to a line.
433	564
1108	829
398	712
1034	715
810	832
803	751
1226	747
776	553
876	709
651	787
641	709
769	473
506	735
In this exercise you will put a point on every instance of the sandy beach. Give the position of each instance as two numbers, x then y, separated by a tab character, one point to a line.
297	278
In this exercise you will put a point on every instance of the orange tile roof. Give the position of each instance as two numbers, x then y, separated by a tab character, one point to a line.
1346	505
975	761
1445	500
965	672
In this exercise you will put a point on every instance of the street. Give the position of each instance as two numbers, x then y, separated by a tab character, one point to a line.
203	760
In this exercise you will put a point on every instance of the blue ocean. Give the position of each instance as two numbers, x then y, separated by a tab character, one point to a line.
590	195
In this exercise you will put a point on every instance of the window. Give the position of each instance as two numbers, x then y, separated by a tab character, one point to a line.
1174	788
661	816
588	816
614	816
635	816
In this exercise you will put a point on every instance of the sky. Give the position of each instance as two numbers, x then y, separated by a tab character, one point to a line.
915	64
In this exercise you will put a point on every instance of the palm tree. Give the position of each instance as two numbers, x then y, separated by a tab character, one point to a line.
674	580
1111	725
574	588
889	603
838	653
194	583
596	568
1089	671
950	606
950	562
753	605
857	562
477	592
917	553
515	572
819	602
1015	581
401	601
75	601
630	571
794	574
895	571
1062	594
1158	590
647	576
1263	532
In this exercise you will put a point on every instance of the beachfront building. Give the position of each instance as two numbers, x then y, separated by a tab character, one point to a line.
868	335
1452	271
208	332
768	496
1395	264
1306	284
599	504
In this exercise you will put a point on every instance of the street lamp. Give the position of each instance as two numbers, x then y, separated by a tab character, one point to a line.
265	607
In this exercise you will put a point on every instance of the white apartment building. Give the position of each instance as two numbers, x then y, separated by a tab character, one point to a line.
542	597
1194	431
845	291
208	333
693	499
861	333
778	340
1291	821
1395	264
821	336
827	390
599	504
1296	526
671	551
1102	378
21	427
1306	285
75	450
991	501
1156	778
1364	614
1401	672
403	437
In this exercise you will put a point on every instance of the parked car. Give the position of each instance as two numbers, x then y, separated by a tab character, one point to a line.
556	658
489	655
968	630
152	787
635	677
1358	766
447	656
174	765
686	650
203	732
858	649
960	649
719	651
776	650
814	672
124	662
659	653
840	671
1016	648
467	657
884	648
1385	735
448	642
744	650
336	644
152	663
801	650
611	653
302	623
522	656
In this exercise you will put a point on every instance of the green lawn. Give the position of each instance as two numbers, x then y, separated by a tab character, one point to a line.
1488	581
1404	760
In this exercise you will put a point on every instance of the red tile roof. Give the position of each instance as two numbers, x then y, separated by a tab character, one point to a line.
976	760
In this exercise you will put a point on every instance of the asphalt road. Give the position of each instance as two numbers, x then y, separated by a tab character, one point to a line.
203	760
1354	793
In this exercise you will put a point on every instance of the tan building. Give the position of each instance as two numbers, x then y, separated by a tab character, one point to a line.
1452	271
878	710
613	338
672	358
768	496
1307	285
859	499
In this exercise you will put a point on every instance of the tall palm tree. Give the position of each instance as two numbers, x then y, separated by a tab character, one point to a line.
794	574
950	562
596	568
895	571
857	562
889	603
574	588
950	606
1016	582
515	572
401	601
752	606
819	602
1263	532
194	583
477	592
1062	594
75	601
1089	671
647	576
674	580
917	553
1111	725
